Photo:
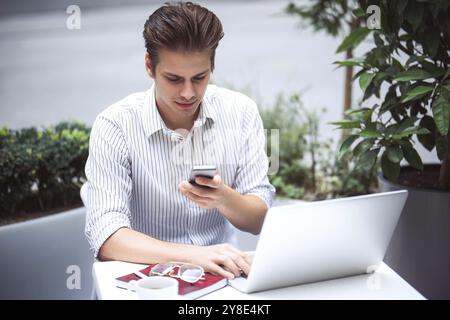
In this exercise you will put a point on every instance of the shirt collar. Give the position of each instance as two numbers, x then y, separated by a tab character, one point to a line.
206	112
153	122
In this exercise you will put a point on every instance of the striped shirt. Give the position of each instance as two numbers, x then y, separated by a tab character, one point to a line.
136	163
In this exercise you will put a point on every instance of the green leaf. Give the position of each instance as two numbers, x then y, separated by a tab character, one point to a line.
347	144
431	42
370	133
416	93
363	146
391	170
361	115
380	76
391	129
441	113
414	58
356	75
354	111
413	74
367	116
371	126
445	91
365	79
378	40
432	69
390	99
368	159
410	131
359	12
446	75
371	89
412	156
353	39
398	65
346	124
394	153
427	140
422	131
350	62
441	146
406	123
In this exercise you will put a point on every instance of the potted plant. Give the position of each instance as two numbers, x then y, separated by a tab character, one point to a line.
407	77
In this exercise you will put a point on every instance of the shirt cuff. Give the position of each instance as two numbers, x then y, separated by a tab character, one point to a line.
266	195
104	228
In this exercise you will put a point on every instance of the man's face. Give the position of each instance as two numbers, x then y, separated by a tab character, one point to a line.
181	79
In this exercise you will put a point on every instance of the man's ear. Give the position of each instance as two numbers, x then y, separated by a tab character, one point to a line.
148	66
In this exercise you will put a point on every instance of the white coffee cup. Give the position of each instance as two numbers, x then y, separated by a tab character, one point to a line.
157	288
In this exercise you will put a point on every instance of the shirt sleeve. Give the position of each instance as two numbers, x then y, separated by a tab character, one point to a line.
109	184
251	177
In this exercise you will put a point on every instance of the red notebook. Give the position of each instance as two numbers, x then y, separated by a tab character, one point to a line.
185	289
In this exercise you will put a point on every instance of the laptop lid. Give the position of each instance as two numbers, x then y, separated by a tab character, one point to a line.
324	240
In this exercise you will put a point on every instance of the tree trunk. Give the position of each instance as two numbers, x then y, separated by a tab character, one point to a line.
444	174
347	89
348	77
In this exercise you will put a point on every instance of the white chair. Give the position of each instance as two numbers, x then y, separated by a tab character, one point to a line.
41	257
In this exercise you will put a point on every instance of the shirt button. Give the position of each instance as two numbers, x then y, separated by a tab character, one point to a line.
176	137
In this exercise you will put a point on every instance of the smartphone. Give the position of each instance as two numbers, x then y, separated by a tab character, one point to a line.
202	171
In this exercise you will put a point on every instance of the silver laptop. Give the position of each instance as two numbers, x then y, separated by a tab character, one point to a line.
322	240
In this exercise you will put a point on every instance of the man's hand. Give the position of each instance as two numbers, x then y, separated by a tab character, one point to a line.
211	197
222	259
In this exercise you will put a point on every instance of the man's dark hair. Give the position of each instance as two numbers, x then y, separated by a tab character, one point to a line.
182	26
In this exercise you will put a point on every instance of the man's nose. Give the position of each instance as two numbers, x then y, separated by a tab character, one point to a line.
188	93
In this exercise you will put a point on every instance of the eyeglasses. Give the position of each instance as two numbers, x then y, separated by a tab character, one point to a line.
185	271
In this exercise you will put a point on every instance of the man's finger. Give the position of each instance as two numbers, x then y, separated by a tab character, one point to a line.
243	265
208	182
199	192
199	200
228	263
214	268
187	188
243	262
242	254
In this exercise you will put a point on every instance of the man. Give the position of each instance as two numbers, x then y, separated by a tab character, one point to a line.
142	148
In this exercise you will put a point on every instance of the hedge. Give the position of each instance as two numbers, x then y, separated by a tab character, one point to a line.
42	169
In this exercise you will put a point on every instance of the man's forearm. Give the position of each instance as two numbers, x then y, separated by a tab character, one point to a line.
246	212
132	246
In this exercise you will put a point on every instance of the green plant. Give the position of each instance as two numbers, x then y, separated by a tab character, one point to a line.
309	168
42	169
409	64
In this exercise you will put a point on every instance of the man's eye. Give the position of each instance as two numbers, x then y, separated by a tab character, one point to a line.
178	79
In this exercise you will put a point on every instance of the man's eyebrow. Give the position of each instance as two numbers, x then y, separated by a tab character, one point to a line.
174	75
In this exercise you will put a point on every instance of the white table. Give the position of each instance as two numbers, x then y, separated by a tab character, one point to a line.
383	284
